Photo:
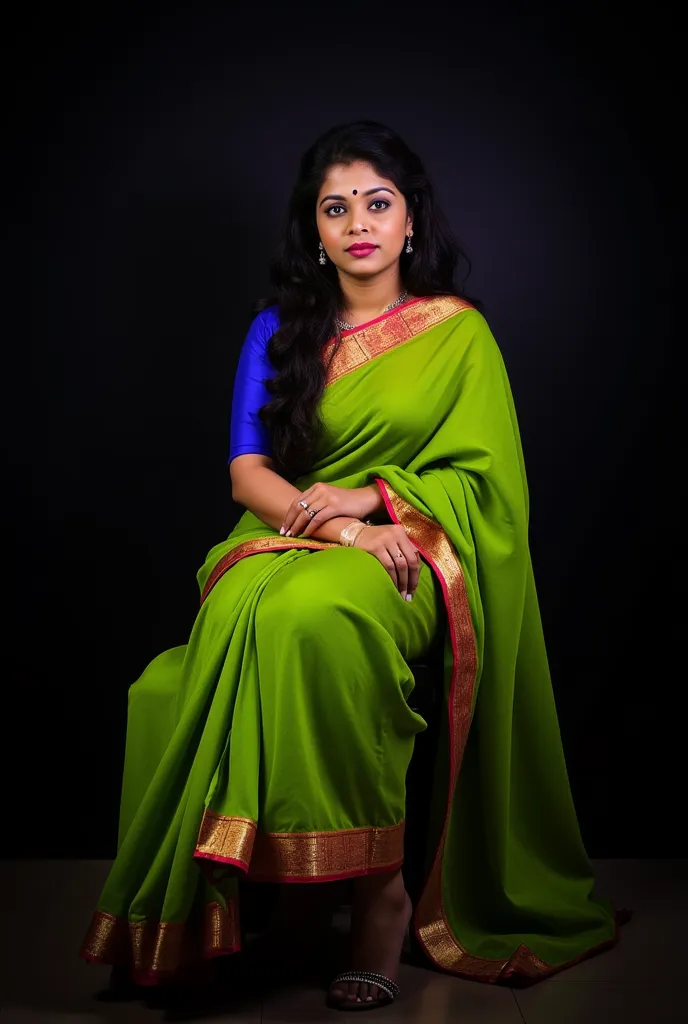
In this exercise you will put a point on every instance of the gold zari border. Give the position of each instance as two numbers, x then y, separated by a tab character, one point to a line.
365	343
299	856
228	839
431	924
157	949
256	547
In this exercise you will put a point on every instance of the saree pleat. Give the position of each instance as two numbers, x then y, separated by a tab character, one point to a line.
277	756
275	744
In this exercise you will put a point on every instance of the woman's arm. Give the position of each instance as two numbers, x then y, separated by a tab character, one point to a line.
261	490
257	487
255	484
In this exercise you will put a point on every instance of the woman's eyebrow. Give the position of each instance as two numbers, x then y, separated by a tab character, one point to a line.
368	192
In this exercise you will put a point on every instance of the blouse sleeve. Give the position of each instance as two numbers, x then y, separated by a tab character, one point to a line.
248	436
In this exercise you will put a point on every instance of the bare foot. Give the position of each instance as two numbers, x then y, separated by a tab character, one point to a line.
381	914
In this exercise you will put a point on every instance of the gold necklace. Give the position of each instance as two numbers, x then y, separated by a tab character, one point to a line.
342	325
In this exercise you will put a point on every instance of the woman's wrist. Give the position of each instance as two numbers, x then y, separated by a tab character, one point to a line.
331	529
352	532
373	504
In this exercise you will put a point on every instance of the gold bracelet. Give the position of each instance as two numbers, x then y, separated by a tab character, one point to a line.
350	533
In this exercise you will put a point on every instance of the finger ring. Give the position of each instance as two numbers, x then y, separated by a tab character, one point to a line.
303	504
311	513
400	555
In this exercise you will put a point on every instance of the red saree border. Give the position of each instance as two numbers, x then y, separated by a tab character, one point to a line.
388	331
298	856
383	316
258	546
430	920
157	951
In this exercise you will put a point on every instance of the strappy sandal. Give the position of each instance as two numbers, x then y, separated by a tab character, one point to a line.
390	989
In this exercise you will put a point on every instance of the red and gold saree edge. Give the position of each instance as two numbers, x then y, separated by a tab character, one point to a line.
158	952
432	928
254	751
299	856
254	547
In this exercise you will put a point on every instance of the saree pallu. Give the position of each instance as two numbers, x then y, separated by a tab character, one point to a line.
275	744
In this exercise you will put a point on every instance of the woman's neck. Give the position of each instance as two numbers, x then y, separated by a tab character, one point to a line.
363	300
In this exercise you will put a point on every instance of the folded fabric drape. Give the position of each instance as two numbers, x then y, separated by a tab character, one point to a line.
275	743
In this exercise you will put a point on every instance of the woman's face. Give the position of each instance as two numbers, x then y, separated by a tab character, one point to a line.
357	208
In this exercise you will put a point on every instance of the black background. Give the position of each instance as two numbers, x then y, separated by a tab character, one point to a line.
155	152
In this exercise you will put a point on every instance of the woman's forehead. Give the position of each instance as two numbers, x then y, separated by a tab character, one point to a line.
352	178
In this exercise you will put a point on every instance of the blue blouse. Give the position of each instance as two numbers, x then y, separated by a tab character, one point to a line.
248	436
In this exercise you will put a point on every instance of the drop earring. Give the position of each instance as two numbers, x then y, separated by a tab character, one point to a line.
409	247
322	258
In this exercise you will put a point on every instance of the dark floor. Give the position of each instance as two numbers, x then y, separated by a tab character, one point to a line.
48	905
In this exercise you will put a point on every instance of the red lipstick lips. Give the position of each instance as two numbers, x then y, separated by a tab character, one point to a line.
360	249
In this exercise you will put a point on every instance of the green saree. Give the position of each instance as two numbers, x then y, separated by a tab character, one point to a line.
275	744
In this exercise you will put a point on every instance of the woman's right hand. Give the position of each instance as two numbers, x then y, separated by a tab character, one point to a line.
392	548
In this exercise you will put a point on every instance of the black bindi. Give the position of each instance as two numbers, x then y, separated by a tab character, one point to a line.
355	192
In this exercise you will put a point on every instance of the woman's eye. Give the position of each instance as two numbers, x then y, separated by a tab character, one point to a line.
377	205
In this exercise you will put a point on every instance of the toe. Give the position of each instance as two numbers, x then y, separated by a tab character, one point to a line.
375	992
338	993
364	992
352	992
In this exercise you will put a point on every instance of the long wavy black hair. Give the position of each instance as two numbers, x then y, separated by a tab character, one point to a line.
308	295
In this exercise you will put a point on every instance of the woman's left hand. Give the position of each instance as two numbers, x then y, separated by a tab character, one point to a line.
328	502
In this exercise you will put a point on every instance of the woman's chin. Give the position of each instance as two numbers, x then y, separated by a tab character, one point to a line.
362	269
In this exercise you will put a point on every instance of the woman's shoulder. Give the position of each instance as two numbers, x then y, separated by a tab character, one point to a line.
262	328
265	323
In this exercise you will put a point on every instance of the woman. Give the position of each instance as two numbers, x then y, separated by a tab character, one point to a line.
376	450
